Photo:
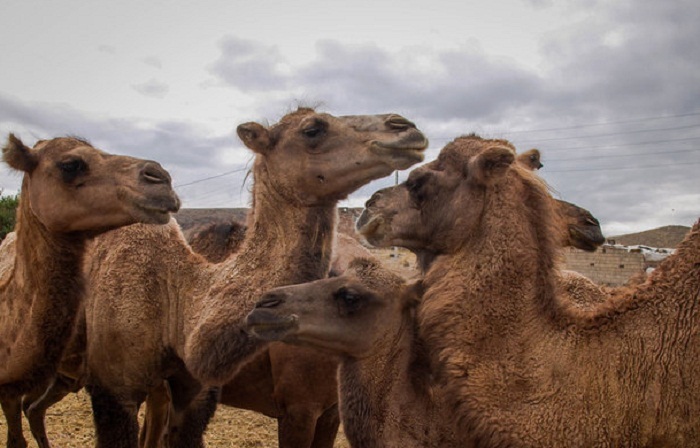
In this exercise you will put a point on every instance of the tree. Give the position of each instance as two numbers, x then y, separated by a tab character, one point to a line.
8	207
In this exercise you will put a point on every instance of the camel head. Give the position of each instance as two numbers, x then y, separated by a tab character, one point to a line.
349	314
530	159
315	158
70	186
441	203
389	219
582	228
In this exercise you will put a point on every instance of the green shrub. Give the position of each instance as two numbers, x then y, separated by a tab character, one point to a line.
8	207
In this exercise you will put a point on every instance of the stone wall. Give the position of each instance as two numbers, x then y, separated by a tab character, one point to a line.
609	265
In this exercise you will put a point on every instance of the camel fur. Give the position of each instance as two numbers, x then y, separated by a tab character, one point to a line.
522	366
70	192
158	311
366	317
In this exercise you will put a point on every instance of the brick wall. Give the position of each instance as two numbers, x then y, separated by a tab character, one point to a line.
608	265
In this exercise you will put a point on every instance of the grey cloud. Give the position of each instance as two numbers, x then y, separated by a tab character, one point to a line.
109	49
249	65
153	61
171	143
152	88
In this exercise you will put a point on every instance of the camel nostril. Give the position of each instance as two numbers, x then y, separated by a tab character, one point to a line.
399	123
270	300
153	173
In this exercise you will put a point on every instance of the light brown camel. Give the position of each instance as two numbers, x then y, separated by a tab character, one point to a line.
366	317
523	367
164	313
70	192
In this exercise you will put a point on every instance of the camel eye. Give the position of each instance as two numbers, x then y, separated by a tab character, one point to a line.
71	168
315	129
415	188
348	301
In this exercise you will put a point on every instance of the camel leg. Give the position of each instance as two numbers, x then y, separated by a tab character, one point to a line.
326	428
116	425
12	408
188	424
157	418
35	405
296	427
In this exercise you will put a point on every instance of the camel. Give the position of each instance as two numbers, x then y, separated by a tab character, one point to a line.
386	222
521	365
70	193
159	311
283	394
297	386
366	317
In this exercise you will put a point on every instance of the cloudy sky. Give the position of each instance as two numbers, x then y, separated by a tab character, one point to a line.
609	91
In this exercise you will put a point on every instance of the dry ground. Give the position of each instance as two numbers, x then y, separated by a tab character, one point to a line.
69	423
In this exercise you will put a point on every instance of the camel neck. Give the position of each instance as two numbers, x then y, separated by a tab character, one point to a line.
292	237
385	396
49	286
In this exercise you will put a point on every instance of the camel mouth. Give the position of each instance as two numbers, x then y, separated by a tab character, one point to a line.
369	227
271	327
585	240
401	156
155	213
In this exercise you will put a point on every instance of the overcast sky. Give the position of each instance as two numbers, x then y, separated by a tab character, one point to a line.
609	91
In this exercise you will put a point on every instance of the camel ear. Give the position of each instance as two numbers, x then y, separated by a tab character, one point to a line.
19	156
491	164
255	136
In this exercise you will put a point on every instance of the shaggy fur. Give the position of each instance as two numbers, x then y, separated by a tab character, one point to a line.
365	316
41	282
523	367
295	385
159	312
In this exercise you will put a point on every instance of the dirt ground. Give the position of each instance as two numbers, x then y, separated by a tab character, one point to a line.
69	423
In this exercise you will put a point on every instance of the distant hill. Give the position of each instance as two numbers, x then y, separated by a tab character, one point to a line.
667	236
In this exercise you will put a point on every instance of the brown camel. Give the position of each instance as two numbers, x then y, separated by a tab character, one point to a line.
303	382
70	192
159	311
522	366
386	222
366	317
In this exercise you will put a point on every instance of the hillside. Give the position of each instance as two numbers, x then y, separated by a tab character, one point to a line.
667	236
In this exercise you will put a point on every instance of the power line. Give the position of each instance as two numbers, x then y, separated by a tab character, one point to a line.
624	167
637	120
210	178
651	142
624	155
638	131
